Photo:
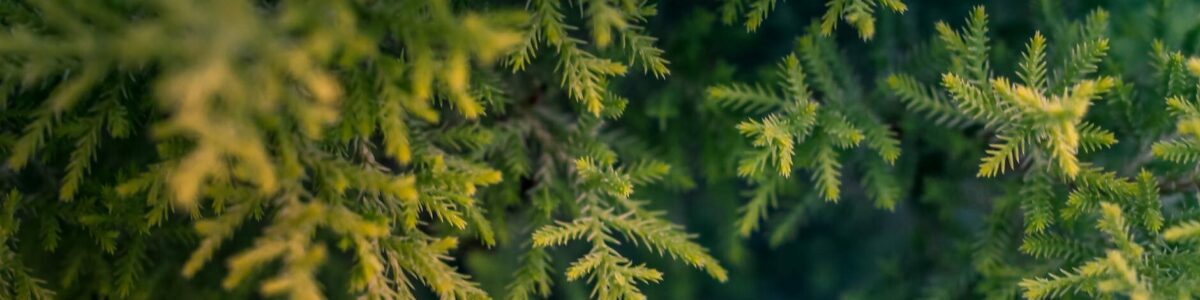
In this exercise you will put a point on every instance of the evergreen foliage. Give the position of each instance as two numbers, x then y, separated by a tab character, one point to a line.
799	131
1040	115
857	13
312	124
1039	129
603	149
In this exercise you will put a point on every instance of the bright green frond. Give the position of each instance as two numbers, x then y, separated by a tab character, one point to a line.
975	45
833	11
1083	61
1065	283
827	173
1033	62
1002	156
664	237
1182	108
1183	151
1049	245
1185	231
841	132
1093	138
773	133
1038	198
532	280
973	101
643	51
757	13
882	186
793	83
919	98
754	212
1112	222
858	13
1147	205
561	233
747	98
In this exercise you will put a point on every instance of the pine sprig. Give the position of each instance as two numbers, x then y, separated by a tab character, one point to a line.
973	101
1021	113
1185	231
1038	202
882	185
827	173
746	98
858	13
643	51
532	278
18	280
753	213
774	133
1048	245
1033	62
757	13
804	131
1185	148
34	138
81	158
922	99
1059	285
1092	138
604	192
561	233
664	237
1084	57
1002	156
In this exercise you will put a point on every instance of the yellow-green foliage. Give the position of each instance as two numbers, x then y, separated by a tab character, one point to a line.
406	149
1040	131
368	128
803	130
1041	114
1183	149
858	13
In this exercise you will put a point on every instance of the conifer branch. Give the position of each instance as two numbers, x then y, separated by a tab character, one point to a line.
532	278
1048	245
1068	282
1033	62
754	212
81	158
757	13
882	185
747	98
1002	156
827	173
801	131
922	99
1038	202
664	237
1052	123
1183	232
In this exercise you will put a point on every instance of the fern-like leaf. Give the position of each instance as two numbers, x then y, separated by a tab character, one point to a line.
1002	156
827	173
